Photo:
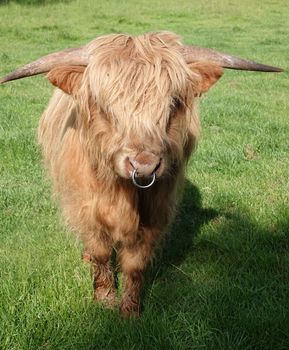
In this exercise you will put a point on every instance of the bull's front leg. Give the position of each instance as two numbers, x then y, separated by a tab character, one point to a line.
98	252
134	259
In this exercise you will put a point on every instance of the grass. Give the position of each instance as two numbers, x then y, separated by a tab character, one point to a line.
222	281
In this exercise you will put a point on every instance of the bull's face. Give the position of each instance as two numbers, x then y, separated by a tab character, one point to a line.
145	114
135	98
136	106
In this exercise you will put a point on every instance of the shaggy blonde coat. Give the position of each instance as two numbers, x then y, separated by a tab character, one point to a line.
137	93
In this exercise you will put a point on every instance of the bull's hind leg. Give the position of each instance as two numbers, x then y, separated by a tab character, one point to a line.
134	259
98	252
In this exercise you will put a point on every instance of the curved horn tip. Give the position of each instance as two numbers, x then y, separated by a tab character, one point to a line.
17	74
7	79
258	68
279	70
3	80
74	56
10	77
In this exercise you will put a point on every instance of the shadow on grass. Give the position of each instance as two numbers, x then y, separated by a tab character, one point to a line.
227	289
178	243
233	291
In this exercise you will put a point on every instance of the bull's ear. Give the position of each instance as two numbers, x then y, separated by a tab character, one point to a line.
66	78
209	73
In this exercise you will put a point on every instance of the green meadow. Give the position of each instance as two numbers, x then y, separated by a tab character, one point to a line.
222	279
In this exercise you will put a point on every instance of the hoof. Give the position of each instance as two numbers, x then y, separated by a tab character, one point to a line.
107	297
130	309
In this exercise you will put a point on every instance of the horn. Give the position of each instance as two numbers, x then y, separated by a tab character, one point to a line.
75	56
195	53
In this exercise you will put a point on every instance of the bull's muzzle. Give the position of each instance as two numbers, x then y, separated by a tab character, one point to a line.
144	168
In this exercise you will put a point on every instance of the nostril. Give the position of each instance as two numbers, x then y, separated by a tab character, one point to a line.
157	167
145	164
131	163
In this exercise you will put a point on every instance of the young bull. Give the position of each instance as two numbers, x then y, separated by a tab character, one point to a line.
116	136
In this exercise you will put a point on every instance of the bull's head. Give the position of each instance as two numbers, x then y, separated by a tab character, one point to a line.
135	97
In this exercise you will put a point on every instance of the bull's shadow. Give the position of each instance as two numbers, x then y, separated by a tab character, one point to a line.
179	240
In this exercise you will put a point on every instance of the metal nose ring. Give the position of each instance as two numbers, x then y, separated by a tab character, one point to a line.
143	186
